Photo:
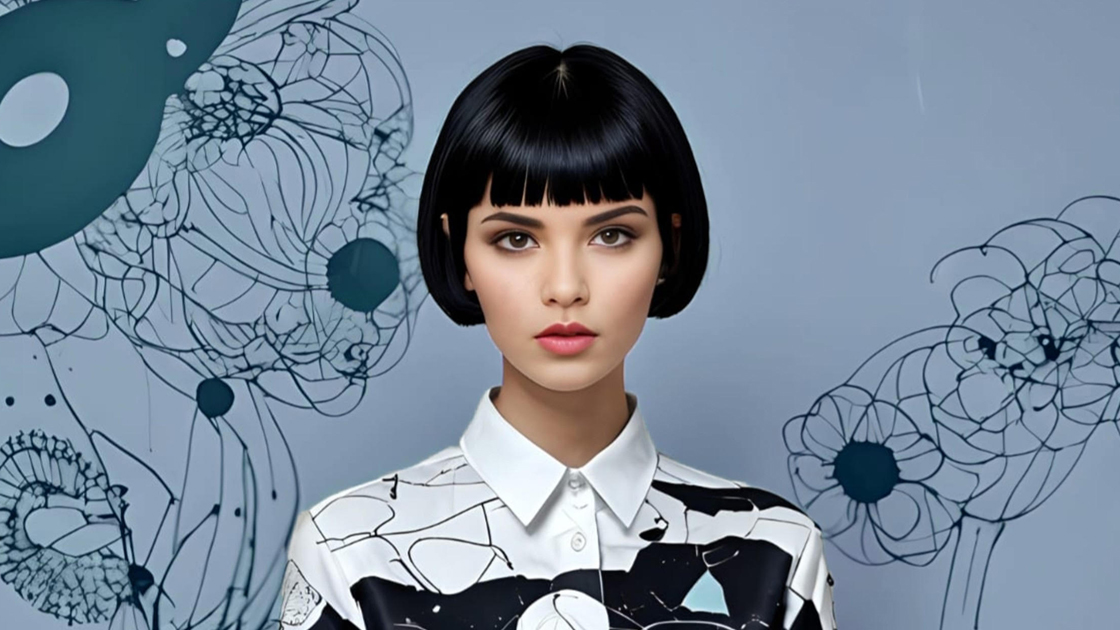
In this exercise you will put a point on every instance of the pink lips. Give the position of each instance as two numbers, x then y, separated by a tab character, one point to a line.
566	344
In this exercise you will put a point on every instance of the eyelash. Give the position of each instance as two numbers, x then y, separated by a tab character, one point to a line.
630	236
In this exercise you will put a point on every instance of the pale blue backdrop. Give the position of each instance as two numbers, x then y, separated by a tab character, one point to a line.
845	147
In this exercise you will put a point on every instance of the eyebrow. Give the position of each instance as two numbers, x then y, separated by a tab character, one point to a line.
602	217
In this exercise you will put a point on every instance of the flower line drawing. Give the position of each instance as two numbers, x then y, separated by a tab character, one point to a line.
949	433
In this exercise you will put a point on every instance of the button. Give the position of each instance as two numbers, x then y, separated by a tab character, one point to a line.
578	541
575	480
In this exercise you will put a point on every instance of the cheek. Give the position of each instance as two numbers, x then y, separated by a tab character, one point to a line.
630	302
501	293
627	293
633	280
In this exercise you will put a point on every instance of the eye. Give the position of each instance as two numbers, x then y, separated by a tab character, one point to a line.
520	237
615	232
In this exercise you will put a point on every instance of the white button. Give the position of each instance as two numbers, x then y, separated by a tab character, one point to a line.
578	541
575	480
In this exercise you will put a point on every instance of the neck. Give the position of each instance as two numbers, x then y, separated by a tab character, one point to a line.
570	426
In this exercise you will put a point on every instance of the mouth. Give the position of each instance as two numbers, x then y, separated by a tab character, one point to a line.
566	329
566	345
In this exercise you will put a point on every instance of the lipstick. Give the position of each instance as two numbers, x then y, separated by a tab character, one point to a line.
566	344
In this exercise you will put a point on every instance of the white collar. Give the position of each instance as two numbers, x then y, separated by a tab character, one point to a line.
523	475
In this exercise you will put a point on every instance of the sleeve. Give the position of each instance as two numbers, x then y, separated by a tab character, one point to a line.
808	600
315	594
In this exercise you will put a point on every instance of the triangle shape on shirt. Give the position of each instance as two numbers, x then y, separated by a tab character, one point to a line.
706	595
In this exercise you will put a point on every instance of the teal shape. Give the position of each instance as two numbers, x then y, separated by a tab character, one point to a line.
114	58
706	595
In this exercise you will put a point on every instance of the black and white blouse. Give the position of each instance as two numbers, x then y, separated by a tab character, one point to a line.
495	533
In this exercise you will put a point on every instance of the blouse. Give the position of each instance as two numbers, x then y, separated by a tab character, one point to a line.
494	533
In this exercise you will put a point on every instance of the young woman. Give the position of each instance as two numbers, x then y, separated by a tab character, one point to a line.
562	207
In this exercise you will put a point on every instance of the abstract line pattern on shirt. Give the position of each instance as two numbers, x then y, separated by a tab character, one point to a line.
424	548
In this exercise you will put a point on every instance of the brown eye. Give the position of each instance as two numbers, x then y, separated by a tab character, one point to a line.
517	239
610	237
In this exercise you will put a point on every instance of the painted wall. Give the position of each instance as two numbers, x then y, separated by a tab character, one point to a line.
212	316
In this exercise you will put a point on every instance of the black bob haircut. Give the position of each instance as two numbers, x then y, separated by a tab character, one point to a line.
588	124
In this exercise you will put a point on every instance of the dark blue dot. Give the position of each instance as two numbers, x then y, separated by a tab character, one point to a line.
214	397
140	578
363	274
49	400
867	471
9	401
237	512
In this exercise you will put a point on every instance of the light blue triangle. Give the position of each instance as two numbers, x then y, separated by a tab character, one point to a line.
706	595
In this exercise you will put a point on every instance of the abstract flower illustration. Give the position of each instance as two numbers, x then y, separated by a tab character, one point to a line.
274	222
1003	400
870	475
92	533
310	329
62	522
246	236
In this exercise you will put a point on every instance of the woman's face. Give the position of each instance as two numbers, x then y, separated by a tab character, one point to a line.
555	267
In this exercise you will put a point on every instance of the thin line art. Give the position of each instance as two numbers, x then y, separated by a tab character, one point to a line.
258	255
947	434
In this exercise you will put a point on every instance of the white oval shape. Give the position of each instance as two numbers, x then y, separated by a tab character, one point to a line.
32	109
176	47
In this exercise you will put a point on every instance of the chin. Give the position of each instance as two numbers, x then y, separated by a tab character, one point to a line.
569	378
570	385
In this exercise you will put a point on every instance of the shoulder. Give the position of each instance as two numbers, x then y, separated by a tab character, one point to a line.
669	469
353	526
775	515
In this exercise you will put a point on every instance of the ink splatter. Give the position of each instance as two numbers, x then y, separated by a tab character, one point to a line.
214	398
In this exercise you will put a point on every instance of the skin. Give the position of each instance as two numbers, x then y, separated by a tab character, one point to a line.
527	278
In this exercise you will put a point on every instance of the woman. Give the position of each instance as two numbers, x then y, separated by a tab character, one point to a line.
562	207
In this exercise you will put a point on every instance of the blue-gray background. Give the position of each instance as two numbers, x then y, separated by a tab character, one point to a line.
845	147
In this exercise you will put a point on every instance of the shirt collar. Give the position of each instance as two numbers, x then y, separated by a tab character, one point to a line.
523	475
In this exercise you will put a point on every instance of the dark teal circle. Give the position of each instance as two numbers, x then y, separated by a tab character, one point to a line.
362	275
867	471
214	397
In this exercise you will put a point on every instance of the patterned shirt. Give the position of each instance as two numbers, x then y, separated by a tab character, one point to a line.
494	533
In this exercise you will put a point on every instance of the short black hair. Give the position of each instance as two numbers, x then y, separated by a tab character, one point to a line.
588	124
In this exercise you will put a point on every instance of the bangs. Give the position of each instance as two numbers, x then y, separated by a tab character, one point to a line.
554	129
576	165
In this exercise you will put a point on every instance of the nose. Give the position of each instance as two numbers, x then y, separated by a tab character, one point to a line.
565	280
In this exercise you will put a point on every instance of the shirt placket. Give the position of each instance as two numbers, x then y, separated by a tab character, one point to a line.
579	504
